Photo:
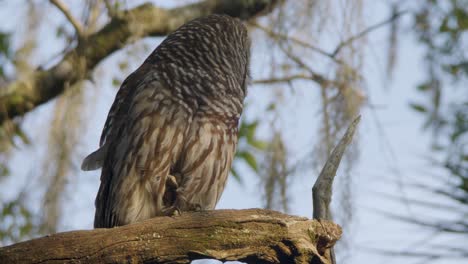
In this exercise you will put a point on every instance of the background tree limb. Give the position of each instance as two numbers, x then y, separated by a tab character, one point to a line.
75	23
252	236
21	96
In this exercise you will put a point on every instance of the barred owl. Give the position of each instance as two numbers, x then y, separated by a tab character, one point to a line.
171	133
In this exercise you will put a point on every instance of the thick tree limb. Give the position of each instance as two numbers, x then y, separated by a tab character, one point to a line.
252	236
21	96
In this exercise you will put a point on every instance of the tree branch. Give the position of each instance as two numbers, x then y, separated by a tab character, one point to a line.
22	96
316	77
284	79
274	34
252	236
322	189
366	31
111	12
75	23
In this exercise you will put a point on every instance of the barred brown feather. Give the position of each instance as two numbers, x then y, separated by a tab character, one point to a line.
171	133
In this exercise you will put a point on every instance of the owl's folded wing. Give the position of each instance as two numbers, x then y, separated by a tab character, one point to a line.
117	113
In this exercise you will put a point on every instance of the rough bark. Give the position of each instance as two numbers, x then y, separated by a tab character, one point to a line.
21	96
322	189
252	236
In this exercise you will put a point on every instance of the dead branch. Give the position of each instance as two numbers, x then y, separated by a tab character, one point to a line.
300	42
284	79
22	96
252	236
366	31
322	190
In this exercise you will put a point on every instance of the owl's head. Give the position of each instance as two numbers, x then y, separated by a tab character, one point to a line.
215	44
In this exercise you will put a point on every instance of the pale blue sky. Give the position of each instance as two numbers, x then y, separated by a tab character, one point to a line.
386	162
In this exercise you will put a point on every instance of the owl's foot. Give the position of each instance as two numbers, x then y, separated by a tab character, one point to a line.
176	212
196	207
172	211
171	181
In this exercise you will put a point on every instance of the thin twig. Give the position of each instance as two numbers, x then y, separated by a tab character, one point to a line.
365	32
303	43
111	10
76	24
284	79
326	119
430	255
108	6
320	79
456	226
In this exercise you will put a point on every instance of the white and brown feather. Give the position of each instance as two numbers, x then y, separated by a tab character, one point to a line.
171	133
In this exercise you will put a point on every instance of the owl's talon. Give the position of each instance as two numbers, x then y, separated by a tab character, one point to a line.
197	208
172	211
176	212
172	181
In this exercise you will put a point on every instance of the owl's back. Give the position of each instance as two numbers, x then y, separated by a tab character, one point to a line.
170	136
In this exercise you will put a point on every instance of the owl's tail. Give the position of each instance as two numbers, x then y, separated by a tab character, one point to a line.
95	160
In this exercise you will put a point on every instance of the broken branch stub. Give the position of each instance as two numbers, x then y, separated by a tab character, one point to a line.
322	190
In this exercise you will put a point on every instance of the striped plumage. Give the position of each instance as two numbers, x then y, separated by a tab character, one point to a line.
171	133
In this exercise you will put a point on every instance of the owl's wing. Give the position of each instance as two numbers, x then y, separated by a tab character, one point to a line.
205	161
115	118
209	146
140	154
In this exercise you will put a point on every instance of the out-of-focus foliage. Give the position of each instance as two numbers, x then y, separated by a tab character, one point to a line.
16	222
249	147
5	53
442	28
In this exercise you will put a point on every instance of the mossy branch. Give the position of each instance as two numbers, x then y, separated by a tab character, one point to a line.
252	236
24	95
